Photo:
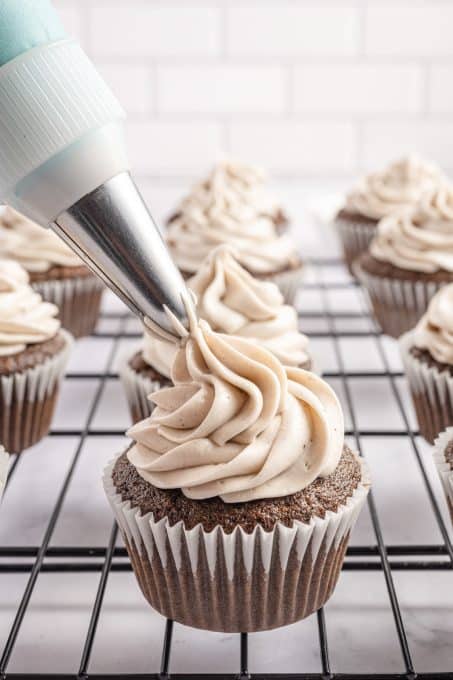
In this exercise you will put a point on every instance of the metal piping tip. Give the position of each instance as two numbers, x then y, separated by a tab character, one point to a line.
113	232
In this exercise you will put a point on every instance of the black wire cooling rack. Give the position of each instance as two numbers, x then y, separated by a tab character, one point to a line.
105	559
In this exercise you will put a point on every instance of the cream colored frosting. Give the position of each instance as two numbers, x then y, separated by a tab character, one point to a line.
233	302
236	423
434	331
401	185
37	249
4	465
419	240
229	207
24	318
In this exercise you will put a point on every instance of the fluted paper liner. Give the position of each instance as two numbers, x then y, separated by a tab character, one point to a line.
138	387
78	300
431	389
397	304
27	400
355	238
236	582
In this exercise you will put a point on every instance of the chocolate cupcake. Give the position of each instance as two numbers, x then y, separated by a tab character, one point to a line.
231	207
232	302
398	187
443	460
409	259
427	353
56	273
237	498
33	355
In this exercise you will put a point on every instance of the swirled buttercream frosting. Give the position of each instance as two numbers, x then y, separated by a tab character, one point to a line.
419	240
401	185
37	249
233	302
434	331
229	207
25	318
237	423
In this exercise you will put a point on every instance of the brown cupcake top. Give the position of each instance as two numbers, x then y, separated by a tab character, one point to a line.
321	496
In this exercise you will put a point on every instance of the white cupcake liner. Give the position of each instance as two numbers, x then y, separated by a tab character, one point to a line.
288	282
78	299
355	238
236	582
27	400
4	467
432	391
443	468
397	304
138	387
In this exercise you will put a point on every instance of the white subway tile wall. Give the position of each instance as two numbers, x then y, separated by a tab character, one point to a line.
309	88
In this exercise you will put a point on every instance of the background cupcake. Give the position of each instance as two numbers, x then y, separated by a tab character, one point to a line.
237	499
33	355
230	206
409	259
55	271
233	302
428	360
443	459
399	186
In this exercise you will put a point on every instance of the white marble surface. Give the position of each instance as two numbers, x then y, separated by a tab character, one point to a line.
361	630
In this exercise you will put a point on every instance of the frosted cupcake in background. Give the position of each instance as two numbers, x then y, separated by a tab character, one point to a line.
233	302
408	260
427	353
399	186
55	271
232	207
33	355
238	496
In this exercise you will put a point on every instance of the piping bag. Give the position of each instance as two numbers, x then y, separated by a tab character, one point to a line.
63	162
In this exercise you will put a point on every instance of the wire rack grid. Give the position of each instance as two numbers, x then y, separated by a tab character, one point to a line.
328	320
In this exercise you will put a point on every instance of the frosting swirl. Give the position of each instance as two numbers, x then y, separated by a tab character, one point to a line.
237	424
399	186
37	249
434	331
230	206
419	240
24	318
233	302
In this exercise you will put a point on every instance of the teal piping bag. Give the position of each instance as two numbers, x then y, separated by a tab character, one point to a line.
63	162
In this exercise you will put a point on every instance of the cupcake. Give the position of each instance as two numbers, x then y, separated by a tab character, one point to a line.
56	273
238	495
427	353
409	259
443	460
233	302
231	207
33	355
398	187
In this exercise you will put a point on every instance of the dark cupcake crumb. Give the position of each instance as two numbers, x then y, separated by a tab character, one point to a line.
319	497
376	267
60	272
356	217
32	355
449	454
139	365
425	357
